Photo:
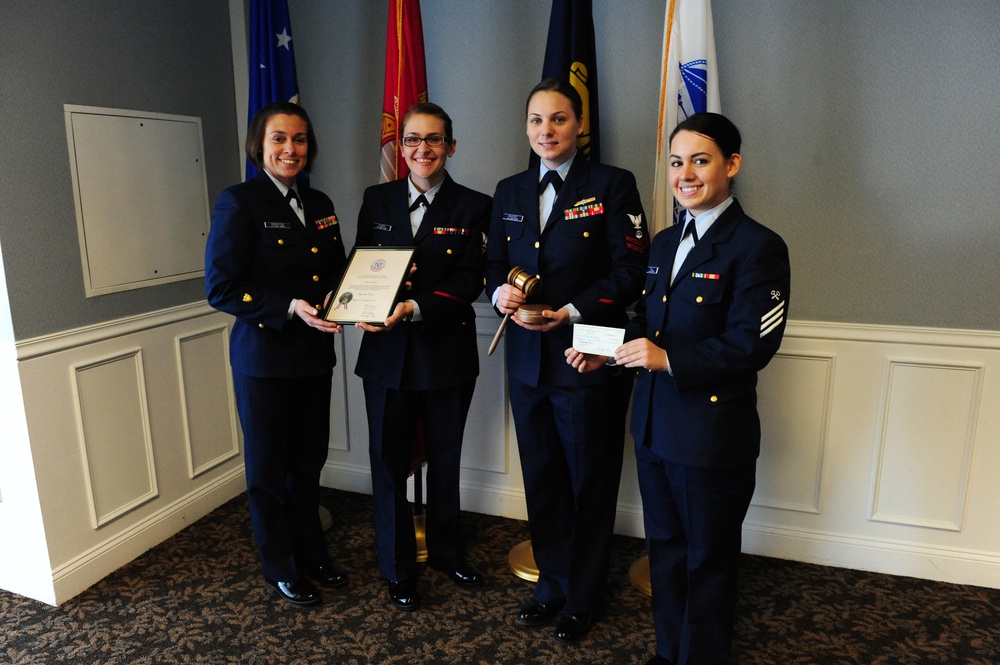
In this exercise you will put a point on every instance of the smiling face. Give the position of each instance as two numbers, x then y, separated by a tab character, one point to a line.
426	163
552	127
699	173
285	151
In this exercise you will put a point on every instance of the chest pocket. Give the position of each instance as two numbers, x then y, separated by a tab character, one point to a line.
514	229
585	228
702	292
278	237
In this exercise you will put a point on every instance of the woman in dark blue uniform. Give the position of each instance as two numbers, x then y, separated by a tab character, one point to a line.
579	228
711	316
274	252
420	369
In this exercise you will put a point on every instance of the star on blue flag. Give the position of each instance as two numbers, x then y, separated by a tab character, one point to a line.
272	59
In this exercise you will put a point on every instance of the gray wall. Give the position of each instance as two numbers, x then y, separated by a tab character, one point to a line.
146	55
870	128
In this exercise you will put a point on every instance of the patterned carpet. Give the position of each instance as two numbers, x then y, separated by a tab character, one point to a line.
198	598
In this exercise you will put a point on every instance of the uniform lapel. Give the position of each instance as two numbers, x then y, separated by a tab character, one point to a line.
719	232
278	205
439	211
397	205
573	189
528	196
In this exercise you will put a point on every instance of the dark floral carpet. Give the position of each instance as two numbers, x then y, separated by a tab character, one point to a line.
198	598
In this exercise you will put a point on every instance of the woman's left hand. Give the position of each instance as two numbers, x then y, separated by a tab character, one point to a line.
401	312
555	319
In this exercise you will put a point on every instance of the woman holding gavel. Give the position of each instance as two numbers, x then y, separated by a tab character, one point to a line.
579	228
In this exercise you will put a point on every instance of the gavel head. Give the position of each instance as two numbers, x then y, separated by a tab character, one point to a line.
523	280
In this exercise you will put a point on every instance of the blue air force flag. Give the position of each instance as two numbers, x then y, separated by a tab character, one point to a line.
688	84
272	61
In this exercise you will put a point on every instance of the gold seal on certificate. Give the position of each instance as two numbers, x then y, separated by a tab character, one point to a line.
367	291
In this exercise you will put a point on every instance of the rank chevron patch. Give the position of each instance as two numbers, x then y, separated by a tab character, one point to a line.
772	319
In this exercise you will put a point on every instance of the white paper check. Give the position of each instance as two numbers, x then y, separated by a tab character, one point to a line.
598	340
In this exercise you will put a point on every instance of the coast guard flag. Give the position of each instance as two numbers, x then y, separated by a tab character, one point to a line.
688	84
272	61
571	54
405	81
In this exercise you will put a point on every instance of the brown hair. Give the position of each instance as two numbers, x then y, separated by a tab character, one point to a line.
255	134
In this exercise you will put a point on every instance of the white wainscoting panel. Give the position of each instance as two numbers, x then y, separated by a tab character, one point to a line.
132	435
926	439
845	409
211	430
794	430
112	416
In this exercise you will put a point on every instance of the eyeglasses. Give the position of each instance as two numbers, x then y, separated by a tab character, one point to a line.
432	141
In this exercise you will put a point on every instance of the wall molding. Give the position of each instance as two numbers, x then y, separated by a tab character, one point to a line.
84	335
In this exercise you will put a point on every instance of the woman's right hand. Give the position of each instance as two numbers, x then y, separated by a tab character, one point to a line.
309	314
509	299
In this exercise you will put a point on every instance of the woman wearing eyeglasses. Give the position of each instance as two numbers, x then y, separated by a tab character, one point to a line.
420	369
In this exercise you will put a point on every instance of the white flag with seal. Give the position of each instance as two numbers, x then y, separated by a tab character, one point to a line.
688	84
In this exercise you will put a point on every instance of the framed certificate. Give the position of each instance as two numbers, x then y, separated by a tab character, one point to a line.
367	291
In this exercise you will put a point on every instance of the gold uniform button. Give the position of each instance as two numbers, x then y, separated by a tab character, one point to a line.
657	333
664	299
315	278
280	241
586	234
698	299
449	251
644	292
713	398
260	325
315	250
537	244
508	238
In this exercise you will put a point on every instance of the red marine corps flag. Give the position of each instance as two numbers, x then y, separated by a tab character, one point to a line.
405	81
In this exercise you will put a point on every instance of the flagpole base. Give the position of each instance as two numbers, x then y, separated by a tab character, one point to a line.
325	518
420	531
522	561
638	575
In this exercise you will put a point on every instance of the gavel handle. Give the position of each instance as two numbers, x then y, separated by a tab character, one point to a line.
496	338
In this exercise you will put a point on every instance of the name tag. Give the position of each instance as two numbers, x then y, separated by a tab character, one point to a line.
383	227
277	225
652	270
508	217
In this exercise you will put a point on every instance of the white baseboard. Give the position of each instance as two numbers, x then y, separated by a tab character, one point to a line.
881	556
93	565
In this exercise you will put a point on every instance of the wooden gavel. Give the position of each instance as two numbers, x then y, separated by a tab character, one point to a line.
527	283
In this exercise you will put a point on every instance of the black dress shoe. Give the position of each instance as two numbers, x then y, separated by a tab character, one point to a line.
404	596
298	592
534	613
572	628
328	574
659	660
467	575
